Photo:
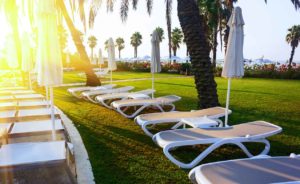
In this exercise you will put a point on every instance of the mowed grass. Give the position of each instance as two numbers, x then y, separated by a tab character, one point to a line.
120	152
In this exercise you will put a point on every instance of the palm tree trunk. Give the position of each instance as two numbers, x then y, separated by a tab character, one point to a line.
215	44
91	78
192	25
292	56
135	52
169	27
174	51
119	54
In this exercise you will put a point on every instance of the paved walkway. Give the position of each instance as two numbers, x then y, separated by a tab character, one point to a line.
127	80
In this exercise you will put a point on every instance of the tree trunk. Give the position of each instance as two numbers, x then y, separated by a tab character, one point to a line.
174	51
292	56
192	25
135	52
169	27
215	44
91	78
119	53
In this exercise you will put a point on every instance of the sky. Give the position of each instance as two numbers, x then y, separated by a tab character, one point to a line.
265	28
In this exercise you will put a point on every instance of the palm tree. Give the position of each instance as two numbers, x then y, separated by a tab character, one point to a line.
169	24
91	78
160	33
120	43
92	41
293	38
106	45
136	40
176	39
192	24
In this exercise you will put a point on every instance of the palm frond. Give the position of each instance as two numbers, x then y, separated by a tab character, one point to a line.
110	5
296	4
82	13
94	8
149	6
124	10
134	4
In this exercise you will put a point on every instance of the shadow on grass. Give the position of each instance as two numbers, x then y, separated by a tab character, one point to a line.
125	133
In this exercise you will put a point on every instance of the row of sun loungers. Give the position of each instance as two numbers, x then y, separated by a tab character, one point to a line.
28	154
205	130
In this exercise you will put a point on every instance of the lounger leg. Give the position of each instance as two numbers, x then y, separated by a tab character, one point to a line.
198	159
91	99
105	104
132	115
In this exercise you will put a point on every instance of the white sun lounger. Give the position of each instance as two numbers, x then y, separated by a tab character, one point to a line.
35	126
19	154
29	97
30	114
8	105
23	105
107	99
78	90
7	115
17	92
25	129
33	104
12	88
258	170
6	98
256	131
123	105
91	95
144	120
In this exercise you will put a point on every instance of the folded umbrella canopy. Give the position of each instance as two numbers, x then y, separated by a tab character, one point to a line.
155	57
234	59
100	58
27	56
112	65
49	60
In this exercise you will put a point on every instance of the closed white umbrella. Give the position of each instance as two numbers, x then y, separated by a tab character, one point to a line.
49	60
11	52
27	56
112	65
101	61
155	57
234	59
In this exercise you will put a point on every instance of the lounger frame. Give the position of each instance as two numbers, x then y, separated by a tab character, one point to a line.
216	143
144	124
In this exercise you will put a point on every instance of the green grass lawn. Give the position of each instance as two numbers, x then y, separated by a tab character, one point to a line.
121	153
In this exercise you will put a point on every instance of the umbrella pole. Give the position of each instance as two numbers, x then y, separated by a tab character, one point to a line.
153	85
47	95
29	81
227	102
52	114
110	76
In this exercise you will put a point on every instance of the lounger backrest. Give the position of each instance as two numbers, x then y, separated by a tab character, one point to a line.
168	99
146	91
106	91
251	130
107	86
